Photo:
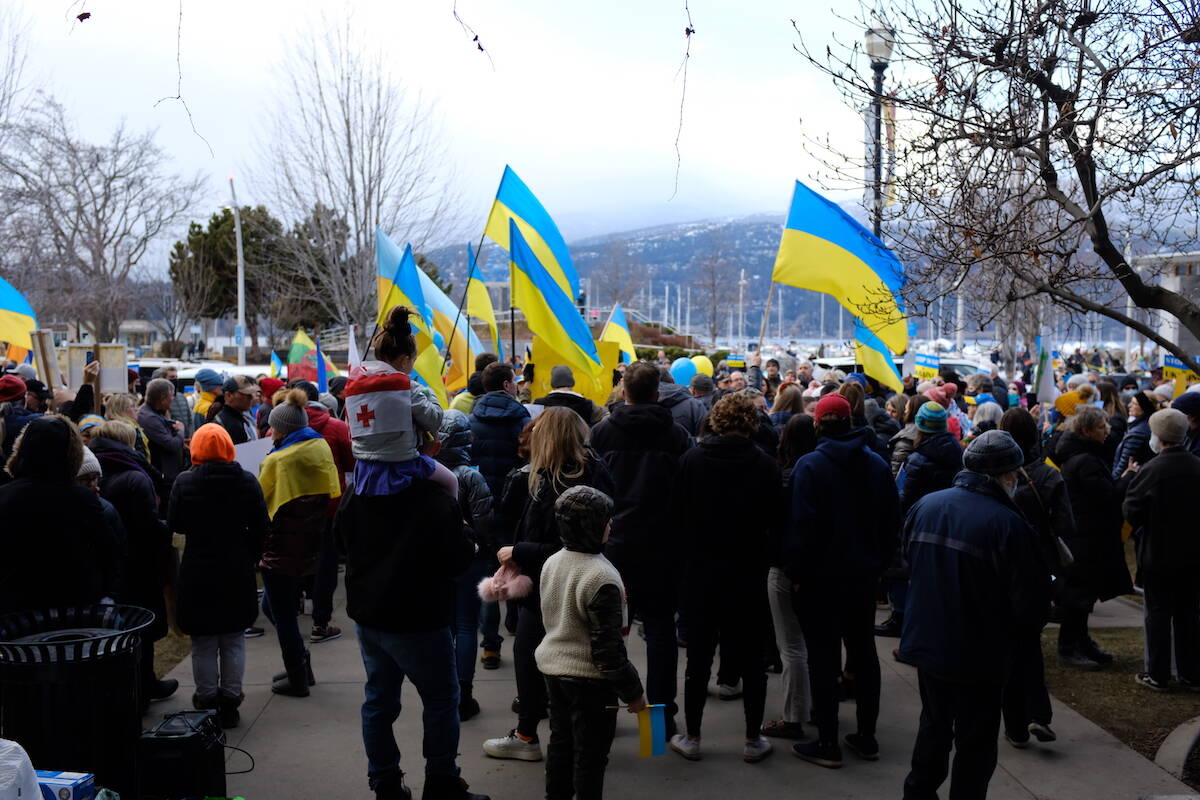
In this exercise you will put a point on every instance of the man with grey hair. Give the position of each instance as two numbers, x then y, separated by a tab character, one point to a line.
180	409
165	435
1168	552
977	585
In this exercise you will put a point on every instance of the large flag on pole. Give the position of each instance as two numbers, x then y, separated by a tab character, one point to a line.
550	313
876	360
398	284
617	330
455	333
479	303
515	203
826	250
302	359
17	319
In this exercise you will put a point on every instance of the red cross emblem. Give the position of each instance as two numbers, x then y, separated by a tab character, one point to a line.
364	416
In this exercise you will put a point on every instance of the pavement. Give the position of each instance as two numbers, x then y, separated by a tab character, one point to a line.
312	747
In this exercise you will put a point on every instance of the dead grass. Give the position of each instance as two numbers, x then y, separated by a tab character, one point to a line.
169	651
1139	717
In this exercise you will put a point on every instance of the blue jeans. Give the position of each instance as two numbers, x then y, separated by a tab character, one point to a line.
281	600
489	626
466	618
427	659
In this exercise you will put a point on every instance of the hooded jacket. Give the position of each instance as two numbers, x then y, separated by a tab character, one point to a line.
978	583
642	446
902	445
1134	446
685	409
497	420
1157	505
588	411
844	512
931	468
474	496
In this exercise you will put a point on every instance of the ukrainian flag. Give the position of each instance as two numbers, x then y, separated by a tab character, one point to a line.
397	282
299	466
276	365
16	317
826	250
617	330
479	303
454	330
515	203
877	361
550	313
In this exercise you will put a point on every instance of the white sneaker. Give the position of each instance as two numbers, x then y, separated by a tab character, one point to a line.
512	746
686	746
756	750
726	692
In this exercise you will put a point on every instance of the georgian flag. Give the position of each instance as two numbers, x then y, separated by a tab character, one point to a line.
379	403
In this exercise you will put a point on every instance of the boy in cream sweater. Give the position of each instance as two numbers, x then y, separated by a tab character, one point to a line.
583	655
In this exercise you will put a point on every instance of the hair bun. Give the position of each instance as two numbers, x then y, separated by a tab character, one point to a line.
397	322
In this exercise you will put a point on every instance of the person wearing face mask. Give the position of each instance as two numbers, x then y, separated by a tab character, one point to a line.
1168	553
979	586
1135	444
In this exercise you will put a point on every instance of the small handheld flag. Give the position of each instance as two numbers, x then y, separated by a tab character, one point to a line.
276	365
652	731
322	374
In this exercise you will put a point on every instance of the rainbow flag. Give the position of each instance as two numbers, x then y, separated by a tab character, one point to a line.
652	731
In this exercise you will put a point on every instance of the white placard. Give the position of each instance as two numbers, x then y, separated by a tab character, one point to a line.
251	454
114	376
76	361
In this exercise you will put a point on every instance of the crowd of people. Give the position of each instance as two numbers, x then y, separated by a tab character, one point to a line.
974	512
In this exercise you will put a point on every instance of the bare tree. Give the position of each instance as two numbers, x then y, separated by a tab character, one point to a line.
96	208
617	274
1031	133
348	148
716	279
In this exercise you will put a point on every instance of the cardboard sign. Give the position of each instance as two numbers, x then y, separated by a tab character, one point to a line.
114	376
926	366
46	360
1174	369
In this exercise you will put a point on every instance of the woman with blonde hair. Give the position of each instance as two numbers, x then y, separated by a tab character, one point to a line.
123	408
559	458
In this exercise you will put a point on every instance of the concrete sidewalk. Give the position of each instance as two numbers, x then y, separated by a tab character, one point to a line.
312	747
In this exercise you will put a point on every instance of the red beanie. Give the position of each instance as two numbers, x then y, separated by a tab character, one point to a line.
832	405
270	386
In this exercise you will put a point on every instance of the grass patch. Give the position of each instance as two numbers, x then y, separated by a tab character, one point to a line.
169	651
1110	698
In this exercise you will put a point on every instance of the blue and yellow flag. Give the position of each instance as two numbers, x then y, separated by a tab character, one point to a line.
479	302
276	366
826	250
299	466
652	732
398	284
16	317
617	330
550	313
877	361
515	203
455	333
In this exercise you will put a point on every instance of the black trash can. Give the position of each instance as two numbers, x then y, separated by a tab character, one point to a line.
69	683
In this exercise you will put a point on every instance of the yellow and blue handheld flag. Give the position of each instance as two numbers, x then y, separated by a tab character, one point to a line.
617	330
826	250
16	317
276	365
550	312
479	303
652	732
515	203
877	361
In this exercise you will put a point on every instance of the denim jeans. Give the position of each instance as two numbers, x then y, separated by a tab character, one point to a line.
965	716
489	626
793	653
466	618
427	659
279	604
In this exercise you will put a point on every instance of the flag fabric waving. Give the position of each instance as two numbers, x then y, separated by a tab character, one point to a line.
16	317
322	372
1044	386
826	250
875	358
398	282
617	330
515	203
276	366
479	303
302	359
550	313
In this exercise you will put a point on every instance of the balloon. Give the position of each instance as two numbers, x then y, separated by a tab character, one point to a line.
703	365
682	371
439	341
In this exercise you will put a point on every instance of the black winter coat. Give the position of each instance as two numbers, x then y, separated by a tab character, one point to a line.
72	561
1043	501
588	411
685	409
1159	506
931	468
496	422
1099	571
642	445
234	423
148	562
403	552
216	593
166	443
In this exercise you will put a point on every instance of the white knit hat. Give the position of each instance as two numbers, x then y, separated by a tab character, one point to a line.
90	465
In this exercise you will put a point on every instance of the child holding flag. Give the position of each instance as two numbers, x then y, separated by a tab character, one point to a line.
583	655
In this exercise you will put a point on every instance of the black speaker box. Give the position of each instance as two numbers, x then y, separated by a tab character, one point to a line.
182	757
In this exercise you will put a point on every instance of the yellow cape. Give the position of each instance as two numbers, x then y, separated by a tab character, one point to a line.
298	470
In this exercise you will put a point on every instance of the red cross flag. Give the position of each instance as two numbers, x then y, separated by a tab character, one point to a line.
378	402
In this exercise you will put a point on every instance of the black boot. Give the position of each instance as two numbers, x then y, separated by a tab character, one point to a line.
391	787
448	787
203	703
227	711
308	673
294	682
468	706
891	626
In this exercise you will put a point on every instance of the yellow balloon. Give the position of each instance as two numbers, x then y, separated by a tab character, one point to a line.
703	365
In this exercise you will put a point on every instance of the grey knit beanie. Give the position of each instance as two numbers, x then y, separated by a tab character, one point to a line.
286	418
993	453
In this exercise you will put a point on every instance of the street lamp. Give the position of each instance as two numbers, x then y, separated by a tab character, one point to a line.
879	40
239	332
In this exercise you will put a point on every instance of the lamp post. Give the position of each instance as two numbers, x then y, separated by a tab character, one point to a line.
239	332
879	40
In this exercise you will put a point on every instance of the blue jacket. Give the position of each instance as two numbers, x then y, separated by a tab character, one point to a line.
844	512
931	468
1134	445
497	420
978	581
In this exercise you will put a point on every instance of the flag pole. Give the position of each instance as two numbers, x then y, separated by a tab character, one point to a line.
472	259
762	329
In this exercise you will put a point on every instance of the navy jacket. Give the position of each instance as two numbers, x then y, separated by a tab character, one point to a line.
1135	445
844	512
931	468
685	409
978	582
496	424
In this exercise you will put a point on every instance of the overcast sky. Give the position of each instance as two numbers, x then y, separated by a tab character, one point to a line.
583	101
